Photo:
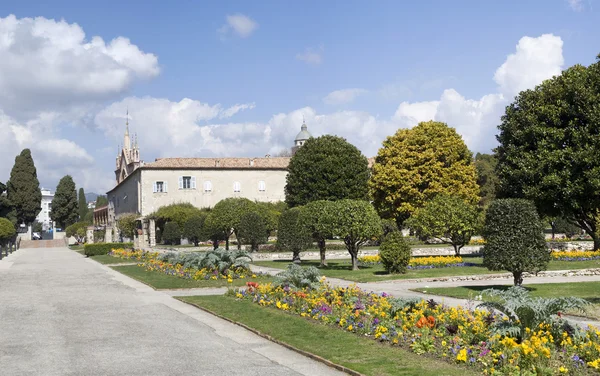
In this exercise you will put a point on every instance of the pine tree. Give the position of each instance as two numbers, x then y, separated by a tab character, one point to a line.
64	204
83	209
23	189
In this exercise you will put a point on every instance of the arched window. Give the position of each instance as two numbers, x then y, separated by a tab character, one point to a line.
237	187
262	186
207	186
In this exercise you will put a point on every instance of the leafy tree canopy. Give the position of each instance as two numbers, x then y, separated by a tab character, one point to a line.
449	219
252	230
326	168
64	204
6	209
172	233
549	141
178	213
486	177
194	230
77	230
23	188
7	230
127	225
291	235
227	213
101	201
318	219
414	165
514	238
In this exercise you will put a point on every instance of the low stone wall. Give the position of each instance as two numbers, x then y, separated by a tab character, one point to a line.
572	246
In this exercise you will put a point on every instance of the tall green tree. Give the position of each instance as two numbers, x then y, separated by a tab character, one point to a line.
549	141
226	215
101	201
7	234
449	219
414	165
486	177
194	230
82	203
326	168
127	224
318	219
6	209
23	189
65	210
291	236
252	230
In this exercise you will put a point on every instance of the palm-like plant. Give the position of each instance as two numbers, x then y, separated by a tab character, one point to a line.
524	311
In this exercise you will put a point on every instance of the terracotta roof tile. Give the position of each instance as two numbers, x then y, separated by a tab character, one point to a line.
267	163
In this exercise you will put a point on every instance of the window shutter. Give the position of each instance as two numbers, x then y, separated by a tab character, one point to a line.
193	182
154	187
181	182
261	186
207	186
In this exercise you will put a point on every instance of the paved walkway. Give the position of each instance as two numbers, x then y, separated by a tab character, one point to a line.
62	314
402	288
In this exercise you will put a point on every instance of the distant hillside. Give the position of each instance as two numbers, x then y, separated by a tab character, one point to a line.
91	196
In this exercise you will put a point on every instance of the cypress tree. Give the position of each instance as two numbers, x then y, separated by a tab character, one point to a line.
23	189
83	209
65	210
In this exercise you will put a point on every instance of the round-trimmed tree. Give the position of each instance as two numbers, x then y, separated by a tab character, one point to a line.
252	230
318	219
291	235
194	230
326	168
7	232
414	165
171	234
395	253
226	215
514	238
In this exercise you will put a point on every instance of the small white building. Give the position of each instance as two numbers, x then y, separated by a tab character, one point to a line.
43	216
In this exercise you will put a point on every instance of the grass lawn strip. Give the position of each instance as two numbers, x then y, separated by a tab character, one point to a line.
106	259
363	355
342	269
160	281
589	291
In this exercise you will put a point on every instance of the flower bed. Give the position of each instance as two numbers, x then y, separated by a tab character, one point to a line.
575	255
459	335
180	271
129	254
429	262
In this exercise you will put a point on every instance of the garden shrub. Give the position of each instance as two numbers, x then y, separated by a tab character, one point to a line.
514	238
252	230
193	230
290	235
216	259
77	230
103	248
171	234
297	277
395	253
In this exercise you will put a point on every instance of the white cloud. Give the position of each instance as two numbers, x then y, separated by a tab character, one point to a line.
343	96
49	66
576	5
235	109
312	56
238	24
410	114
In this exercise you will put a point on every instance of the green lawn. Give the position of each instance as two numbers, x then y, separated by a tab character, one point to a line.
342	269
106	259
587	290
78	247
363	355
160	280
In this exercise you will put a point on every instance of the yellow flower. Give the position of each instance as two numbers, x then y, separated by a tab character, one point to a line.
350	328
229	280
462	355
444	343
563	369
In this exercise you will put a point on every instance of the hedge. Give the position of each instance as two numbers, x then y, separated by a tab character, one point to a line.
103	248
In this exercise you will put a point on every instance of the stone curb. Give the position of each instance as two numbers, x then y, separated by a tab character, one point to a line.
290	347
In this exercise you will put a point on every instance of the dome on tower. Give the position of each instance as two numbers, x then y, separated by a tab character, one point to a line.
303	135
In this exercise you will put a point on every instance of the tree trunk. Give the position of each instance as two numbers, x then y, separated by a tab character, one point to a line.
215	244
296	257
354	256
596	242
457	248
518	278
322	250
227	243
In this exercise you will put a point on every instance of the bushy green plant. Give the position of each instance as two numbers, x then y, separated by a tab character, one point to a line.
523	311
395	253
216	259
7	230
103	248
297	277
290	235
318	219
171	234
193	230
178	213
127	225
252	230
77	230
514	238
225	217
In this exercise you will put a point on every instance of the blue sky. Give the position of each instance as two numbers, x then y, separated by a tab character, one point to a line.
236	78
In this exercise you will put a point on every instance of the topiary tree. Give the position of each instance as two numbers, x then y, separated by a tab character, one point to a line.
77	230
127	224
514	238
415	165
252	230
356	222
213	232
226	216
395	253
326	168
291	235
194	229
7	233
270	213
178	213
450	219
171	234
82	204
317	218
64	204
23	189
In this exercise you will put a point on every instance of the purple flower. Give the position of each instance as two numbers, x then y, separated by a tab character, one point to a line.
376	321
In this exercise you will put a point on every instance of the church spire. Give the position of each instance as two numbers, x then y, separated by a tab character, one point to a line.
126	139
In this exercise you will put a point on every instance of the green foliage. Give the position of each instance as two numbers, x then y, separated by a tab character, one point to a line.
449	219
99	236
82	204
563	225
178	213
523	311
395	253
213	232
252	230
297	277
217	259
549	141
127	225
415	165
6	209
103	248
514	238
326	168
23	189
270	213
388	226
7	230
226	215
37	227
171	234
77	230
486	177
356	222
291	236
64	204
318	219
101	201
194	230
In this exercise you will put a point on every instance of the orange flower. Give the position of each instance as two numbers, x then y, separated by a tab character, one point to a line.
422	322
428	322
431	321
